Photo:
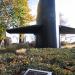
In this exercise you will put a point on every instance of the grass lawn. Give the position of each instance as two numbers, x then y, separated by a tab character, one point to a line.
59	61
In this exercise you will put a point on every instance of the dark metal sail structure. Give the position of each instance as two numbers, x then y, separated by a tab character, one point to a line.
66	30
47	32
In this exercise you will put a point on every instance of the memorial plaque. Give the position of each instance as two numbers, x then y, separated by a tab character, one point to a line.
37	72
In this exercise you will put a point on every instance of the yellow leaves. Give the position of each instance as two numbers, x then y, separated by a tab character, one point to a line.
2	29
22	11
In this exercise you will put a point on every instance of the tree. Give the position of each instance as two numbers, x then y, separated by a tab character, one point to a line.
21	12
15	13
5	16
2	30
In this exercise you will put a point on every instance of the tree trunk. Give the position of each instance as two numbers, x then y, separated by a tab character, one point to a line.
21	38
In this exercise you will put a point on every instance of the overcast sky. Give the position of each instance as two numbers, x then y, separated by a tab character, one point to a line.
67	8
33	6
